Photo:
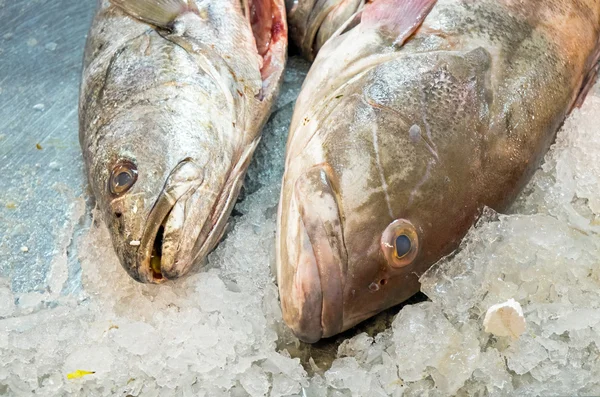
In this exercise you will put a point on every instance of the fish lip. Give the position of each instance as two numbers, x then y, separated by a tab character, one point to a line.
306	293
313	299
315	320
169	196
214	228
332	296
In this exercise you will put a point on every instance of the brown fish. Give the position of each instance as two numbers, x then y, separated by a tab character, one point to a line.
414	116
173	99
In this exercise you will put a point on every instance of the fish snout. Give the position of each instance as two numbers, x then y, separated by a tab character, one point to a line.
164	251
312	258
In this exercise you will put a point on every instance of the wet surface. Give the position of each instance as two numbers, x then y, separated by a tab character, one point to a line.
41	47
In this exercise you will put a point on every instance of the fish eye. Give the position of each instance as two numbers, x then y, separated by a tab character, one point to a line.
399	243
123	177
402	245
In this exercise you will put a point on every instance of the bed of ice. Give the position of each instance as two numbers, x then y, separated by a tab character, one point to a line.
219	332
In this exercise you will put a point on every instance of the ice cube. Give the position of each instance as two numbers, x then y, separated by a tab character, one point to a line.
255	381
523	355
425	334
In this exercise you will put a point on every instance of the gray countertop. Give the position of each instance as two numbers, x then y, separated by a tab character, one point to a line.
41	168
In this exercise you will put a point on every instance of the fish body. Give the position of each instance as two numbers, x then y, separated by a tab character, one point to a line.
409	122
173	99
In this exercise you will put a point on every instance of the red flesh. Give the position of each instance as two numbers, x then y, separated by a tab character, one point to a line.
267	18
261	18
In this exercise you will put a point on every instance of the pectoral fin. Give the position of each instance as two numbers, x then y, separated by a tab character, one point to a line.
397	18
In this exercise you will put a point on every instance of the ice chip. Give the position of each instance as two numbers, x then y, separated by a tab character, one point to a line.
426	339
346	374
255	381
284	386
523	355
137	337
492	372
7	300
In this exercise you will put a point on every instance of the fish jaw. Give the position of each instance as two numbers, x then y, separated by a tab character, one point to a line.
311	257
300	285
185	223
160	244
194	224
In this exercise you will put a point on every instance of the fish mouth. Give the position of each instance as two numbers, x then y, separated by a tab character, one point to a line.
316	294
187	220
169	236
312	260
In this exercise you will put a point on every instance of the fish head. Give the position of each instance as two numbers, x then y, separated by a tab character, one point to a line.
162	199
173	98
343	258
374	189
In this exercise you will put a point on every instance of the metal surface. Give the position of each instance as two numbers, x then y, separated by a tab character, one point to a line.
41	170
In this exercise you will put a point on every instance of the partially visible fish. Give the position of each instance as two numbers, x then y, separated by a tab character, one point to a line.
313	22
412	119
173	99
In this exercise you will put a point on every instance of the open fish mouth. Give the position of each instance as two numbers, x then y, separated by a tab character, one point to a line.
171	229
186	221
320	22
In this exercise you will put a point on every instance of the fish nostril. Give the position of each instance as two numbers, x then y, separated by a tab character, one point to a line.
383	281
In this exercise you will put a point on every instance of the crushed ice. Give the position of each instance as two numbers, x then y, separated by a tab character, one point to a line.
215	333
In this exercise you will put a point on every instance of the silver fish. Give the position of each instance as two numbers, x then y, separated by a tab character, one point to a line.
173	99
414	116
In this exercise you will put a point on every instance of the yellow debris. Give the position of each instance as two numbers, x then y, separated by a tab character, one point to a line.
155	263
79	374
